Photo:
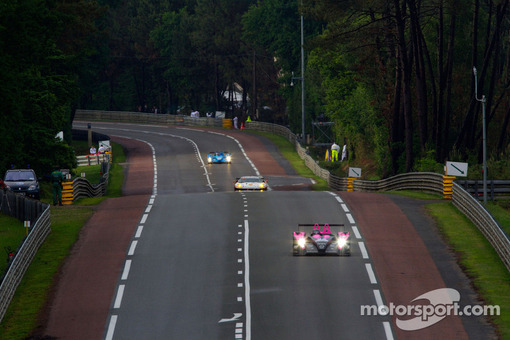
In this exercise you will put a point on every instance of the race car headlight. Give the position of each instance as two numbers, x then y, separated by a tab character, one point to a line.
209	159
342	242
301	242
238	185
262	185
229	158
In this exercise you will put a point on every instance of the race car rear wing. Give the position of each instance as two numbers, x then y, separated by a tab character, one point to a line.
316	226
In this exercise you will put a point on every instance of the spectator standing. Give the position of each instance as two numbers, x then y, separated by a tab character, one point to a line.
335	148
235	122
92	150
344	151
56	186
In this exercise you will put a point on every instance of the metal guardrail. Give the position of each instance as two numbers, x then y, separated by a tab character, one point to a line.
39	229
421	181
83	188
485	222
87	160
495	187
430	182
146	118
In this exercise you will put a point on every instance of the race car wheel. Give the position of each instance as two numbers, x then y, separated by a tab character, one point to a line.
344	252
296	249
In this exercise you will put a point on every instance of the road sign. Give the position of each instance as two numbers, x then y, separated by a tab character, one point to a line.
456	169
355	172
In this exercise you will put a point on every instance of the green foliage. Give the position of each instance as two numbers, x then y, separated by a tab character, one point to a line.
349	104
428	164
280	32
123	55
39	80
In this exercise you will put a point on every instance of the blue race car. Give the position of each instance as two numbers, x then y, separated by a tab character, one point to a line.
219	157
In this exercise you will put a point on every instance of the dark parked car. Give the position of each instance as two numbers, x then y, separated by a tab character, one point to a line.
22	181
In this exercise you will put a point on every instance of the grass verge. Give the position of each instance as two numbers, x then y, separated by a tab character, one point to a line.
500	210
478	259
22	317
11	235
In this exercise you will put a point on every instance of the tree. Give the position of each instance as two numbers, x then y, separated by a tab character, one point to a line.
38	73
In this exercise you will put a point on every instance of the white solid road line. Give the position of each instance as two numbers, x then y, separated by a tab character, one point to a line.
247	300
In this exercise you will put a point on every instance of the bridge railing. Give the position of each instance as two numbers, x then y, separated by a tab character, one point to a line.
429	182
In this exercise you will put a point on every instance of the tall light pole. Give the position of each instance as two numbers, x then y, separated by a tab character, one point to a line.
484	132
302	78
302	83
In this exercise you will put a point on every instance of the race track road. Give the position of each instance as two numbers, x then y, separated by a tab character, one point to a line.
204	262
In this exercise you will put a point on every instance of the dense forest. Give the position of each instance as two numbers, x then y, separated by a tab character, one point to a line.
395	76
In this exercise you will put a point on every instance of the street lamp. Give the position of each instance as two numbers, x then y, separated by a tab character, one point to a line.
484	169
302	78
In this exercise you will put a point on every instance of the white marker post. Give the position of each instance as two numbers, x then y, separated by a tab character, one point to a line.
26	224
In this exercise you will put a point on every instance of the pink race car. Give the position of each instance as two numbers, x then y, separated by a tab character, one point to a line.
321	242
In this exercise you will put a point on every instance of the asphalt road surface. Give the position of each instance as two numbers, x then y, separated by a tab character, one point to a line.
210	263
206	262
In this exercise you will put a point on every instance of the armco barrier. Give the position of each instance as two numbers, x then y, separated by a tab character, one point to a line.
40	228
489	227
430	182
83	188
87	160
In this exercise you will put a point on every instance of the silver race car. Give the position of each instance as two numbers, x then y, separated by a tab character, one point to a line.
250	183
